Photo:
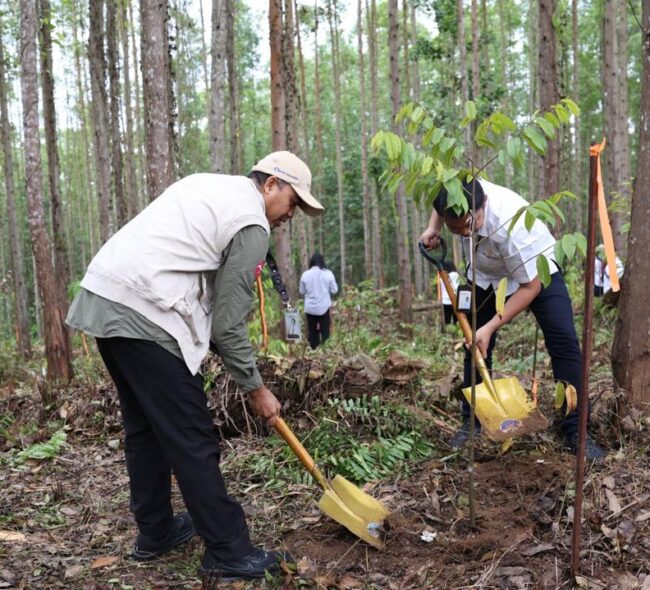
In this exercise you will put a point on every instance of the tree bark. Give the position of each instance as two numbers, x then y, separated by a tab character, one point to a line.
631	348
157	107
233	88
114	118
23	338
403	252
548	93
218	90
100	116
57	352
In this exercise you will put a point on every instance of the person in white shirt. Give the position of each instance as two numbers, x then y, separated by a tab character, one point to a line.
317	285
454	279
500	253
599	272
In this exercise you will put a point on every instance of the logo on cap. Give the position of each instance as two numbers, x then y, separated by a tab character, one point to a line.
278	169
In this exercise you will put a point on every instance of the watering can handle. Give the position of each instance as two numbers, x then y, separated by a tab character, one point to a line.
290	438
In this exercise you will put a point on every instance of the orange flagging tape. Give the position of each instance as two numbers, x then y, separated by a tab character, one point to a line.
605	227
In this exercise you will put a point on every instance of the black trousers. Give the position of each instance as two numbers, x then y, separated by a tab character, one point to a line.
553	311
168	427
318	328
450	316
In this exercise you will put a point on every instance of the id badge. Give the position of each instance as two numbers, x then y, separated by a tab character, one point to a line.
464	299
292	332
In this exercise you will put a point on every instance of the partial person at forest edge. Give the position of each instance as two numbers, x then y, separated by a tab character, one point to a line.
317	285
499	254
180	274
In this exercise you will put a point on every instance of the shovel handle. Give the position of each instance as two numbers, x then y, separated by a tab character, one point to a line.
290	438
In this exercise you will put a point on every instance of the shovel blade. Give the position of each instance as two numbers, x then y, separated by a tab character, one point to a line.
357	501
510	414
335	508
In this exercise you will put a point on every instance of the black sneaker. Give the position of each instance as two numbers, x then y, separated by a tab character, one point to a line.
146	548
461	436
592	449
250	567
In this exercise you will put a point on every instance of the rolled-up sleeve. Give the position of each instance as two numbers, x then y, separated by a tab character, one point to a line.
233	299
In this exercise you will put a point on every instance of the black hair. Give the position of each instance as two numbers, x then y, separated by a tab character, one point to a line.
449	266
469	187
259	178
317	260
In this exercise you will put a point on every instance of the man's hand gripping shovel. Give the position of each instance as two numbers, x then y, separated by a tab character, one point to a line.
502	405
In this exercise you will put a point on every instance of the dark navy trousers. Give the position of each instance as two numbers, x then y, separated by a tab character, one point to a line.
168	427
554	313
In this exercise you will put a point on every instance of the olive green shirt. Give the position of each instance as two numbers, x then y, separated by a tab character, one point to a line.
233	298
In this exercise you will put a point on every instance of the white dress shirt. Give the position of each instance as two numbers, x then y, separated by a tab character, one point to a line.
499	254
316	286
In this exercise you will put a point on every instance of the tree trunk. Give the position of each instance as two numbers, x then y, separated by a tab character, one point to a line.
218	94
132	187
100	116
114	119
548	93
533	43
57	352
233	87
631	348
403	257
377	258
23	338
155	84
579	182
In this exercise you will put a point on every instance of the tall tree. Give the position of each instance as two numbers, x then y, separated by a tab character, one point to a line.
403	257
117	166
59	365
631	346
218	88
548	93
53	164
99	105
23	338
338	115
156	82
233	88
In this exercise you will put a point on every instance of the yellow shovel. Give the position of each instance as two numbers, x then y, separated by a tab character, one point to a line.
502	405
357	511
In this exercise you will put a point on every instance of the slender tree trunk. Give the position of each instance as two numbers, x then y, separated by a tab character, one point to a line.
131	174
533	32
218	94
403	257
139	119
631	348
365	184
114	119
548	93
580	184
476	79
23	338
157	107
233	87
59	365
504	43
377	258
61	262
331	15
204	53
100	116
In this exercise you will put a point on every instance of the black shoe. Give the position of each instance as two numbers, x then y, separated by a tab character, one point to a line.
461	436
592	449
146	548
250	567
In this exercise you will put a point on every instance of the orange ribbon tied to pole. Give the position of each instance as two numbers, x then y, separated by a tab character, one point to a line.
605	227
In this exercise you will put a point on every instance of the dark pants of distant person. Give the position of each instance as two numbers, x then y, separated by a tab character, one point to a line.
168	427
450	316
554	313
318	328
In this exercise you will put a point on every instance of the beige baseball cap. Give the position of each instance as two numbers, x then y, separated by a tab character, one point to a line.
290	168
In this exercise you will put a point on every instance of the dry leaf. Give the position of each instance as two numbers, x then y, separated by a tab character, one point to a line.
538	549
642	517
73	571
103	561
613	501
609	482
348	582
12	536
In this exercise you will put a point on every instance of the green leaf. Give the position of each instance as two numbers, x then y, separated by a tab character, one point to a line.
501	295
417	115
502	122
572	106
529	219
535	139
558	252
562	113
513	147
393	146
546	127
559	395
470	110
569	246
515	218
543	270
581	243
377	140
427	164
448	174
552	119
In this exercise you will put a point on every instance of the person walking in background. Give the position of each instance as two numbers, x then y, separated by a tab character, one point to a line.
454	279
317	285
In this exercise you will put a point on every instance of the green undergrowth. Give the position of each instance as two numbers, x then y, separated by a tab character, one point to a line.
362	439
